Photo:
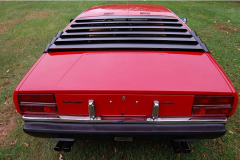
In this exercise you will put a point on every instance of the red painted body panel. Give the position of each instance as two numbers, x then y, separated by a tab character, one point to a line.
127	72
182	104
234	92
124	9
16	91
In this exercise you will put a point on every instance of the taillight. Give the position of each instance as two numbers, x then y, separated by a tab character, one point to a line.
37	103
212	105
38	98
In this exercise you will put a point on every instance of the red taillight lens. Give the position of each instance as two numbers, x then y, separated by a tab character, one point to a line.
40	98
212	100
49	109
26	107
212	105
43	103
199	111
219	111
213	111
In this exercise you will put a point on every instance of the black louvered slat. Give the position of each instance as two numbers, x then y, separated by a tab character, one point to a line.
191	39
125	45
125	22
126	32
121	27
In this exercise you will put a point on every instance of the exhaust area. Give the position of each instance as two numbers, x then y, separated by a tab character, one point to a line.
180	147
64	145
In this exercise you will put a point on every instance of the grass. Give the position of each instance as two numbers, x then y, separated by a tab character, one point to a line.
26	28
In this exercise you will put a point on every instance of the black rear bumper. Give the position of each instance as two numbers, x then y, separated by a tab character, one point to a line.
141	131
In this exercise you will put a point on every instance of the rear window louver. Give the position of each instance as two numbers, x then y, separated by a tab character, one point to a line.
126	33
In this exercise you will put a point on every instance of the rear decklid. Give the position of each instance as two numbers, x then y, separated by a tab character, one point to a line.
158	72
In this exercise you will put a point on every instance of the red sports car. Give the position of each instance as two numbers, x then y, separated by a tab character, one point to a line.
126	72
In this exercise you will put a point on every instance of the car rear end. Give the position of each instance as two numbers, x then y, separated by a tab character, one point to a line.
124	78
125	117
75	116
